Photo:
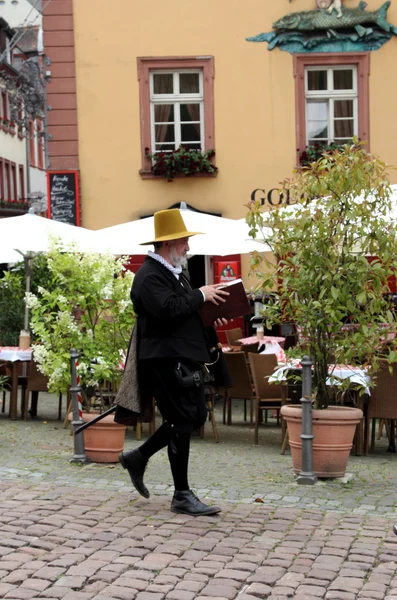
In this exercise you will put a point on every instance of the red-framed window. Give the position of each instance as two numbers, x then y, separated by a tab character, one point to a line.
4	105
182	89
7	180
32	144
2	195
14	189
40	144
21	171
331	96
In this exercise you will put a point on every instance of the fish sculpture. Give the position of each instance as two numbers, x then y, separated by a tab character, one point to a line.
330	29
315	20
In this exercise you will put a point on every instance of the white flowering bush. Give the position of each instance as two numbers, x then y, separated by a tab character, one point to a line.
85	306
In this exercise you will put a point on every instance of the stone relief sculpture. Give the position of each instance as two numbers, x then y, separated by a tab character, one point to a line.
337	6
330	28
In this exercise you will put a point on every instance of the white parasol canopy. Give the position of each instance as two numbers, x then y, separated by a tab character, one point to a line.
31	233
220	237
22	237
9	256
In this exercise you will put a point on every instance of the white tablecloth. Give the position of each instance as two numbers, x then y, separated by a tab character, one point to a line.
13	353
354	374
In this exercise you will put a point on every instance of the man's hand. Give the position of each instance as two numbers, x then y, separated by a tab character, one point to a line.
220	322
213	294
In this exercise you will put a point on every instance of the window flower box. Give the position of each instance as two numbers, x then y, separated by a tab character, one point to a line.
20	204
182	162
315	151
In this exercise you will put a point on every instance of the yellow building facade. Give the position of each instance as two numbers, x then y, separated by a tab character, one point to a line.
253	100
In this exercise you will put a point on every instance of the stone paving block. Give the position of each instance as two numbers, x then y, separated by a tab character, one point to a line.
17	576
36	584
372	594
310	591
232	574
324	574
338	595
131	582
196	577
55	592
149	596
166	579
190	585
21	594
111	592
79	596
51	573
102	575
219	591
160	588
291	580
96	586
349	584
73	582
86	568
269	575
181	595
259	590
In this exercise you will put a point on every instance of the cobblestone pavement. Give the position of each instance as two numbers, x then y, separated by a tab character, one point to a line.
66	542
233	470
77	533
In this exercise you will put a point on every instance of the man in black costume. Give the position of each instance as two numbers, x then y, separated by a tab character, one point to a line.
172	347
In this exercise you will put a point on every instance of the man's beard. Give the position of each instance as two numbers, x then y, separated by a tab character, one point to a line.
177	261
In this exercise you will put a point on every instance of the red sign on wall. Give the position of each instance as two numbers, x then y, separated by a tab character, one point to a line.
228	270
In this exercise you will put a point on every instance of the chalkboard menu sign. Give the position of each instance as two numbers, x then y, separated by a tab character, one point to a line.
63	196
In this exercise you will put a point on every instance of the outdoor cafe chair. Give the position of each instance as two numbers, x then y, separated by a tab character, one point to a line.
247	348
5	371
269	396
232	335
36	382
241	385
382	402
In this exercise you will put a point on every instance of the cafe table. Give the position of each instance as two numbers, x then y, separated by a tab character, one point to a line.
13	356
266	339
359	382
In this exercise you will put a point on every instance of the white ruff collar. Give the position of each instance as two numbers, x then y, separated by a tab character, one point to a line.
174	270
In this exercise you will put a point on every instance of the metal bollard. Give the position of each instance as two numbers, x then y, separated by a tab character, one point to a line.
307	475
79	455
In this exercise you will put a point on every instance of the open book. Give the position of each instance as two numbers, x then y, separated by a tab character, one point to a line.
236	305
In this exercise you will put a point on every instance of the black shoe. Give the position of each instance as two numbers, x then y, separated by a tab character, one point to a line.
135	464
187	503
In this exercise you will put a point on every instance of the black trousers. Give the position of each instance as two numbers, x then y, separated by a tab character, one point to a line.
183	410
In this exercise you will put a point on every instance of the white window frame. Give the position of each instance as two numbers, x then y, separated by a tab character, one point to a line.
176	99
331	95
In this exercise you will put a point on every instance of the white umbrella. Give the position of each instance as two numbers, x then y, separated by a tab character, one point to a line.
10	256
31	233
22	237
220	237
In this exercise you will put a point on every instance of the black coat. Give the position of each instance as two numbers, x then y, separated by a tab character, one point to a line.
169	324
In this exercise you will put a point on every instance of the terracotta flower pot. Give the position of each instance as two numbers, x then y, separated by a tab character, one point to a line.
333	431
103	441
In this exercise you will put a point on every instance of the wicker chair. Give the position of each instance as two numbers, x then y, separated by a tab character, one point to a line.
232	335
382	403
269	396
241	385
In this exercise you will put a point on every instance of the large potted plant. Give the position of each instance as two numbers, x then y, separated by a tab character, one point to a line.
324	280
86	307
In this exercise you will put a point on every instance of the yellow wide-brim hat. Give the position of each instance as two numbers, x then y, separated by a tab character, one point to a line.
169	225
